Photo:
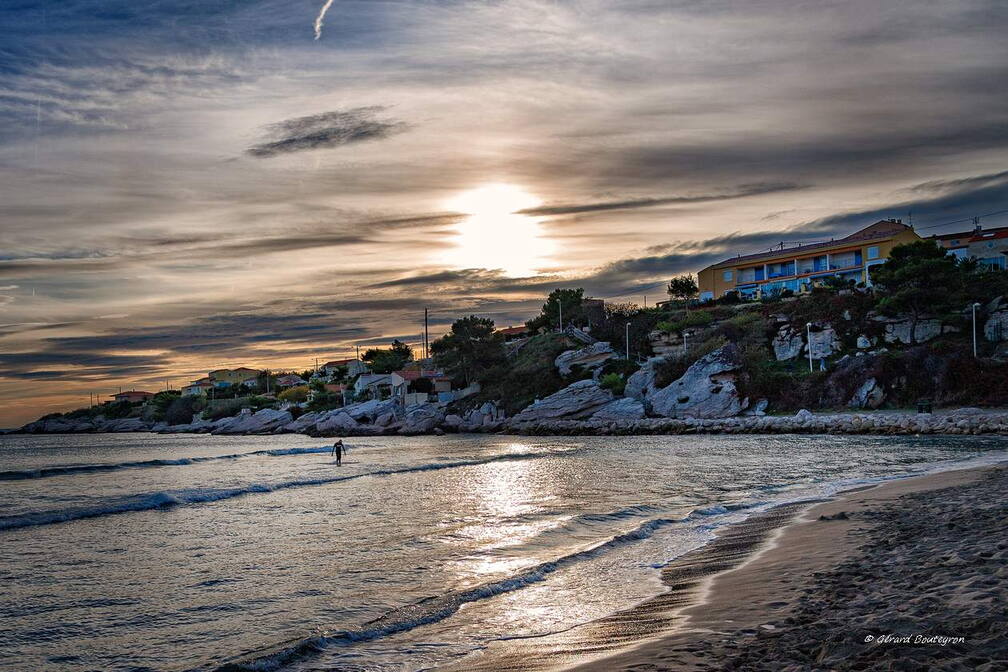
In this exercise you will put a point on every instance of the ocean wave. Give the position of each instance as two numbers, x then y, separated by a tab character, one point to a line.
171	498
72	469
432	609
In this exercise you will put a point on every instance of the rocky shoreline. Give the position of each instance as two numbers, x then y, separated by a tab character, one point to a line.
378	418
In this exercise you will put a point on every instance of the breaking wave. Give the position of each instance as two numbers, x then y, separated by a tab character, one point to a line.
71	469
165	499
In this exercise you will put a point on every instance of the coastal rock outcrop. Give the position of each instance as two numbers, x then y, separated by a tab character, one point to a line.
421	419
371	410
620	409
996	326
335	421
788	343
589	358
869	395
264	421
900	331
305	422
706	390
578	400
825	342
641	384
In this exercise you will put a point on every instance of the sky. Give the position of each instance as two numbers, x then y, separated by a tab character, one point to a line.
197	184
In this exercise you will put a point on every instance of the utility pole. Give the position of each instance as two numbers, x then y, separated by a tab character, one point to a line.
975	306
426	334
808	329
627	337
560	305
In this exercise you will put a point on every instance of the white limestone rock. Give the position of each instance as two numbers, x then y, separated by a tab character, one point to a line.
825	342
303	423
620	409
589	358
899	331
706	390
421	419
574	402
869	395
640	385
335	421
787	344
264	421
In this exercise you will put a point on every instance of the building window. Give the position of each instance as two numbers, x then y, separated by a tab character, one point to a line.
727	275
873	252
955	242
990	246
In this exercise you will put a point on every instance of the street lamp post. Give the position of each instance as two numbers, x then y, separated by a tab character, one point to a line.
627	338
975	306
808	330
684	348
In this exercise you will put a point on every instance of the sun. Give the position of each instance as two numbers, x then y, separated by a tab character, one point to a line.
496	233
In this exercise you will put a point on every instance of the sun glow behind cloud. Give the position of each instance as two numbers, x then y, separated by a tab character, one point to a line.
495	235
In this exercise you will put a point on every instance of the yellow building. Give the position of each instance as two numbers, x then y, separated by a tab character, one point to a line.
227	377
797	268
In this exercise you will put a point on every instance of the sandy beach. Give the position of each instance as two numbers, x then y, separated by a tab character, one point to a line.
907	575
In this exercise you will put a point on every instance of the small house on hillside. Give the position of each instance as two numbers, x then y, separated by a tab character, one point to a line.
380	386
290	380
197	388
133	396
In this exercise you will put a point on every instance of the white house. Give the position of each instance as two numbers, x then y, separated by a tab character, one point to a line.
380	385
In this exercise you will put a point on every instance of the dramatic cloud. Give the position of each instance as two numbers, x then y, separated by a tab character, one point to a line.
742	192
141	241
326	130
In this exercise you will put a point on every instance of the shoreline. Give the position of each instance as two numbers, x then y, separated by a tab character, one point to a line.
740	588
751	604
950	422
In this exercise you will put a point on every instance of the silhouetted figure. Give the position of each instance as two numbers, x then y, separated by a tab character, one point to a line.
337	450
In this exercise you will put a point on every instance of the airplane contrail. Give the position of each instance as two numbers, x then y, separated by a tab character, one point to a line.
321	15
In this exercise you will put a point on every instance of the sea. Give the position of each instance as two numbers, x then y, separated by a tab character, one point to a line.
140	552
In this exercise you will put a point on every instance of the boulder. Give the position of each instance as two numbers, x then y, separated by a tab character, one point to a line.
421	419
588	358
335	421
787	344
869	395
304	423
620	409
804	415
371	409
264	421
385	419
576	401
706	390
863	342
898	331
996	326
825	342
640	385
126	425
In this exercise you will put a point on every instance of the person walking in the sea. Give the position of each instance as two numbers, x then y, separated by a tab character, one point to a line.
337	450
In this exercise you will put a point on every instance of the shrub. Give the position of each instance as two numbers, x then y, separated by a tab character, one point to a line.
613	382
295	395
181	410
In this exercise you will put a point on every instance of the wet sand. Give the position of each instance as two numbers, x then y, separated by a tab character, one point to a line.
873	579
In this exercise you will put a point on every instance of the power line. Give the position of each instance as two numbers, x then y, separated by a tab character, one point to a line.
959	221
